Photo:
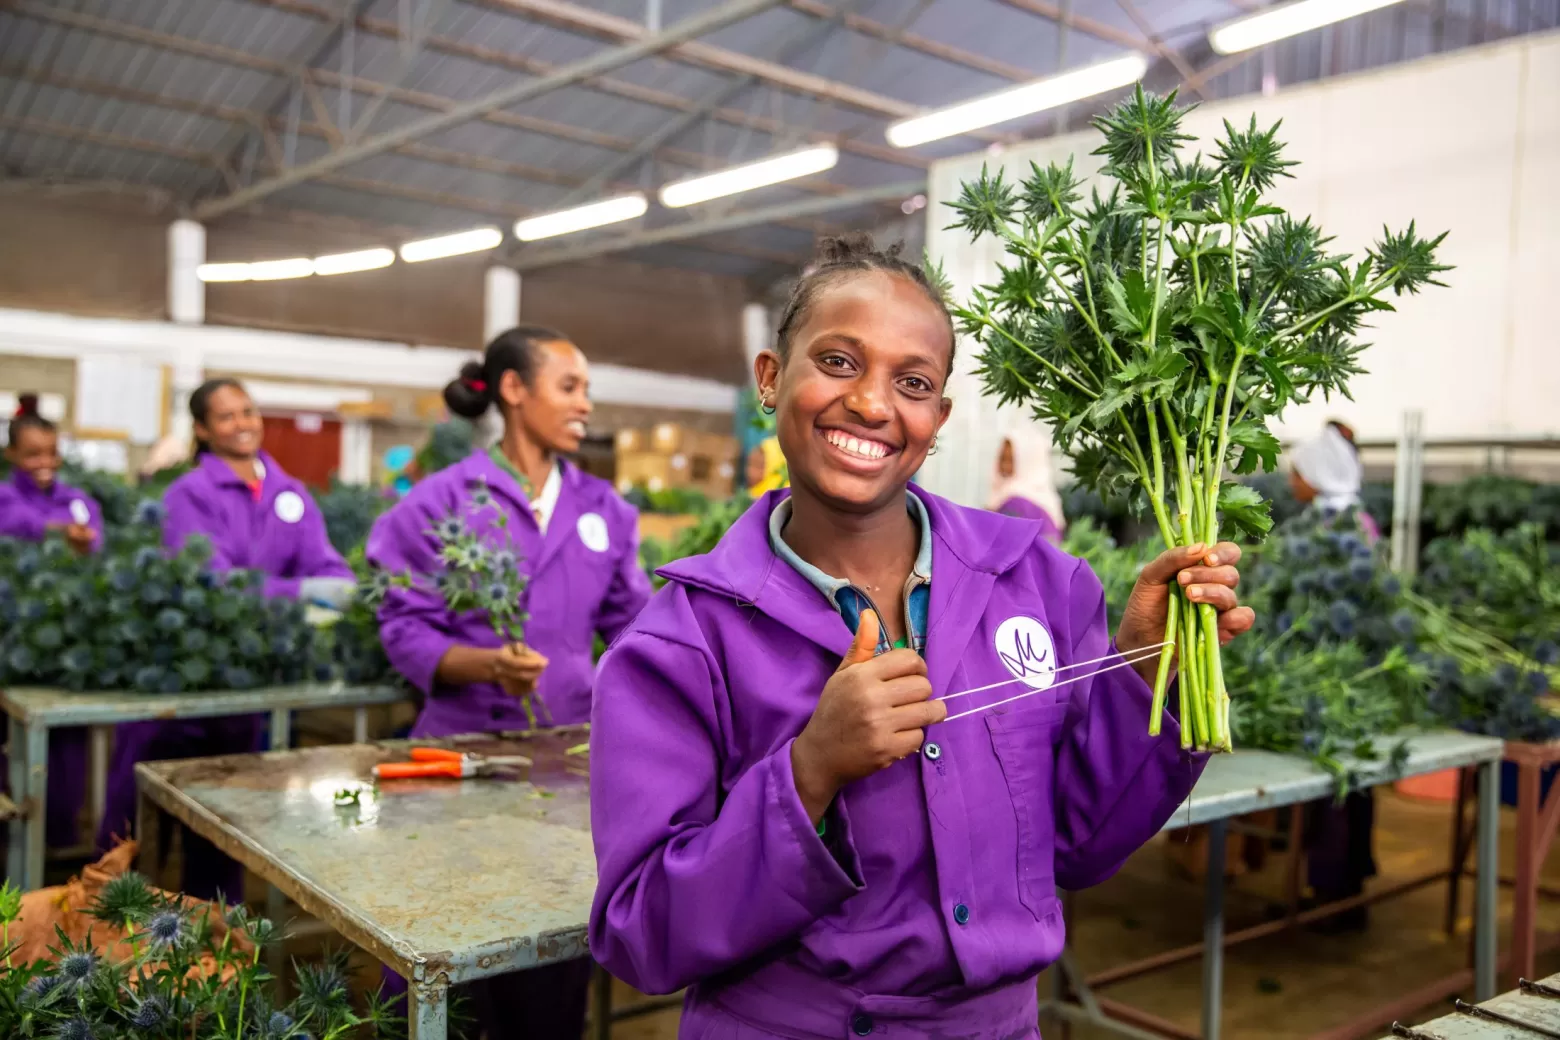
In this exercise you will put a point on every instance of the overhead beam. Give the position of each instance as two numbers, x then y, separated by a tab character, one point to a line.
920	44
1164	50
645	45
447	200
583	20
1082	23
537	259
604	84
269	126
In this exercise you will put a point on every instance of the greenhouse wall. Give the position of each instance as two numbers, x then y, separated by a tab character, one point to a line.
1479	357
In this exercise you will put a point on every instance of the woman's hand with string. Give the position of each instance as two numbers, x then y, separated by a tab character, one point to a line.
873	712
1206	576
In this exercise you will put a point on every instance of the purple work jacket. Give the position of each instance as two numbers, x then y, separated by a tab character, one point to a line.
584	576
930	905
26	509
282	534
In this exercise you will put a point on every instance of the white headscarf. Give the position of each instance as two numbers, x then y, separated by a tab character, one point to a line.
1330	464
1032	478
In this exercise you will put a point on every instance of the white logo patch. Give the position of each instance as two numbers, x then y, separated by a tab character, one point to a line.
289	507
593	532
1027	651
79	511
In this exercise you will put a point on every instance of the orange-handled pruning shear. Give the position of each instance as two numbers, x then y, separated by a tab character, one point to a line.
432	761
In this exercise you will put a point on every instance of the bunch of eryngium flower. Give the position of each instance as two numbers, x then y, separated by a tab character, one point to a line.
1160	327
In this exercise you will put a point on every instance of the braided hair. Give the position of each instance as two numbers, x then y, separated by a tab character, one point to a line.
845	256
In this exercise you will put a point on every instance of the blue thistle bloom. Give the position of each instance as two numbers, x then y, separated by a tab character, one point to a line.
1362	570
1305	584
1535	682
40	986
505	560
122	579
165	928
48	637
481	496
1334	581
1349	543
1505	675
207	580
499	593
1404	623
1391	585
75	968
27	563
170	619
149	513
77	659
146	557
279	1023
450	529
1546	653
151	1014
238	678
75	1029
21	660
1284	622
148	679
1341	616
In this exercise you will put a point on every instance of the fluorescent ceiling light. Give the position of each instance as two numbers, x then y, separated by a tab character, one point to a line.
222	272
1276	23
346	263
751	175
274	270
1023	100
474	241
579	218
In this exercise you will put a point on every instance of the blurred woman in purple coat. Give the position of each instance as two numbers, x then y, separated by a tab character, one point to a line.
34	505
1025	485
578	543
789	818
256	517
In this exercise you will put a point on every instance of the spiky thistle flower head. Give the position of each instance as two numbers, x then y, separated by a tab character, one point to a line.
74	1029
1253	157
77	967
1138	127
125	898
166	928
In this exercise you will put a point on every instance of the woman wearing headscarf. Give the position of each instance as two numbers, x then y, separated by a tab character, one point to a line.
35	504
1024	484
1326	471
258	517
765	468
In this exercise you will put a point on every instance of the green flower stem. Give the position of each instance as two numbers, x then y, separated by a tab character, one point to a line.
1166	656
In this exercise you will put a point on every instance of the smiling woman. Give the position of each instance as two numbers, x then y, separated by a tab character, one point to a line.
756	729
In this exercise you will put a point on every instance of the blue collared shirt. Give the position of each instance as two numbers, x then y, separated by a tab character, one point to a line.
851	601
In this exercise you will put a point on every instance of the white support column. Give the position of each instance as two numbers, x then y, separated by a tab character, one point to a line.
757	336
357	452
186	292
500	301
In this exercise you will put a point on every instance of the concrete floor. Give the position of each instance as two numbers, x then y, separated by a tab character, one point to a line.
1282	986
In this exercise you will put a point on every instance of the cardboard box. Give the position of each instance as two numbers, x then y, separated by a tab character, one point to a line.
629	441
644	469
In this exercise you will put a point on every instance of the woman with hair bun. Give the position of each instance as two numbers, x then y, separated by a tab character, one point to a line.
577	541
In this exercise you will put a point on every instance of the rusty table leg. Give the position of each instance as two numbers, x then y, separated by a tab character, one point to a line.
428	1016
99	773
1525	893
34	755
1459	851
148	835
16	834
360	724
1484	923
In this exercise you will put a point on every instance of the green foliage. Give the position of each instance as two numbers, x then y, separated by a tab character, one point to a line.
670	501
133	617
448	442
1160	328
1493	501
715	519
349	511
180	980
1116	566
1507	585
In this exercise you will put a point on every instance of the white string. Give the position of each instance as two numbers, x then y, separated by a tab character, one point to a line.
1048	689
1156	647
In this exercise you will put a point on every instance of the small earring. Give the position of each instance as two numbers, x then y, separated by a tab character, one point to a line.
933	449
767	405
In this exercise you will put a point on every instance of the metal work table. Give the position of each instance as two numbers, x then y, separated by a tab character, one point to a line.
1534	1008
1248	781
33	712
445	881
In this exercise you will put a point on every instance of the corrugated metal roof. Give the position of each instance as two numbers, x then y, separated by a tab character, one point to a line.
165	95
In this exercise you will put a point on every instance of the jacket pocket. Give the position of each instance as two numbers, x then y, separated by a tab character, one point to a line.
1024	742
